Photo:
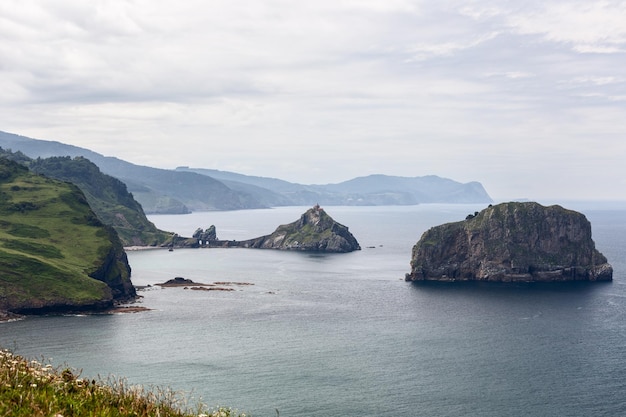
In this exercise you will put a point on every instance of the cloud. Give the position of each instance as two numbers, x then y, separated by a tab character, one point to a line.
588	27
472	90
425	51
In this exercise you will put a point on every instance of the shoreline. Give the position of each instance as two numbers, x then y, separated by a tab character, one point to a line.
140	248
8	316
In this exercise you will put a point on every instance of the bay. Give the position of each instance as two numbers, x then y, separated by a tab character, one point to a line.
344	334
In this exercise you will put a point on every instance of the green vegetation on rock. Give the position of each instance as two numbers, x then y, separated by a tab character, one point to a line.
315	231
55	254
511	242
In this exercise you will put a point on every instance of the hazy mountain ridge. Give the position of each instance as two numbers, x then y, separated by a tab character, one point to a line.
177	192
376	189
185	189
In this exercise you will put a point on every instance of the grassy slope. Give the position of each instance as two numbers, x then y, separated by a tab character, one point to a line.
31	389
50	241
107	196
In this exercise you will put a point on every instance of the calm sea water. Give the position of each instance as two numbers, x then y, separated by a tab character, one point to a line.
344	335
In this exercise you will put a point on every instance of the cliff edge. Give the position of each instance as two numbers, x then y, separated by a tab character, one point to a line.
55	254
511	242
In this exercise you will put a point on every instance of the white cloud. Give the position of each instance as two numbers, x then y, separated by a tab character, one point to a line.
425	51
596	26
478	90
599	80
511	74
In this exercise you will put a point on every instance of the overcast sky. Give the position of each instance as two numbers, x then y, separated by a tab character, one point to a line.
527	97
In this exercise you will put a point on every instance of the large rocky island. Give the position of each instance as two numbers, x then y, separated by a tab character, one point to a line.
315	231
55	254
511	242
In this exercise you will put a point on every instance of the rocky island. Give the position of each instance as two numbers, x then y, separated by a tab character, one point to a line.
511	242
315	231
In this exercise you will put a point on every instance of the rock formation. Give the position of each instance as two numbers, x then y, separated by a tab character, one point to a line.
206	236
511	242
315	231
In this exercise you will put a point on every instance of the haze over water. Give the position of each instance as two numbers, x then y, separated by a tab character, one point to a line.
345	335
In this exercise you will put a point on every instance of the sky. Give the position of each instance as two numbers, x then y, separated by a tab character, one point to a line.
528	98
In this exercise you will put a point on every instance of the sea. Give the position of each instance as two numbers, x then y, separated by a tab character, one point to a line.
344	334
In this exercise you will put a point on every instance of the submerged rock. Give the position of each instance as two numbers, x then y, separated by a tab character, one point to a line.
522	242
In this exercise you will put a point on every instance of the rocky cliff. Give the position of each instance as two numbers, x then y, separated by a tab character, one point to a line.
524	242
315	231
113	269
55	254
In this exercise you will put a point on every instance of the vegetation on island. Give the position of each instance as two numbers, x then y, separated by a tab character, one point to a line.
511	242
30	388
315	231
54	251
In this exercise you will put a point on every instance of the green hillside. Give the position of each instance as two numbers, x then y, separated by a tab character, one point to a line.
107	196
158	190
55	254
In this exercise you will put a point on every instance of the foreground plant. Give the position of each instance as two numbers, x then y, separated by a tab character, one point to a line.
29	388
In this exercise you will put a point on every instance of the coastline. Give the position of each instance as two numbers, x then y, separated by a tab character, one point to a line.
8	316
141	248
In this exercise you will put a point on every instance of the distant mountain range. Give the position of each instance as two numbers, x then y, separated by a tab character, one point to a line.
198	189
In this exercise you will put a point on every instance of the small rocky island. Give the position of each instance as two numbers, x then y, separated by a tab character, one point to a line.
511	242
315	231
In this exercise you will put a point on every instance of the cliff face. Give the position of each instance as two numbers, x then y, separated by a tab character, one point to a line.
113	268
315	231
511	242
55	254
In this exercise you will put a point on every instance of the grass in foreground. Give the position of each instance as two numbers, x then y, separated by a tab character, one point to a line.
32	389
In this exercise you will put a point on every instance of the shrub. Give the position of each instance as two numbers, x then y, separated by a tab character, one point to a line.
30	388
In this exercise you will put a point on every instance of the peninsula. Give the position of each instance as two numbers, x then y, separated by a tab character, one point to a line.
511	242
315	231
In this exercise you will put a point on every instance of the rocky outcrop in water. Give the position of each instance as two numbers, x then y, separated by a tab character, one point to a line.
315	231
206	236
511	242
